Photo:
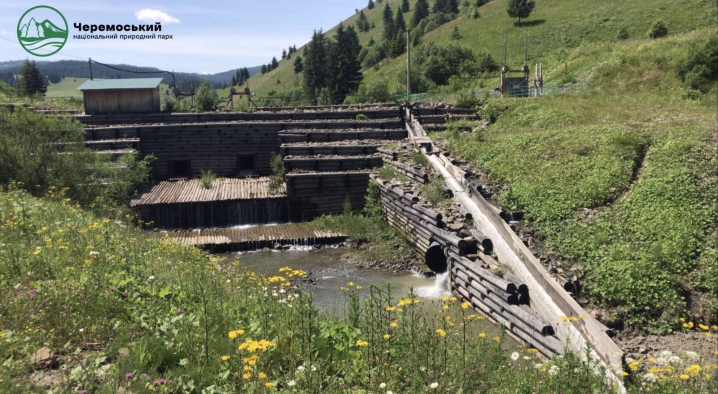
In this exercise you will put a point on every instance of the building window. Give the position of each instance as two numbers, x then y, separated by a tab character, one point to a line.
245	164
179	168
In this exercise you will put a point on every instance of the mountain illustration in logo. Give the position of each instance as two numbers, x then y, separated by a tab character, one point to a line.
42	38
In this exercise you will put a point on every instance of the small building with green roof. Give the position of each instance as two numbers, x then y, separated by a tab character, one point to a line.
121	96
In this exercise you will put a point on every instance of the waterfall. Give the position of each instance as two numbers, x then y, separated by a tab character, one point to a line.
438	289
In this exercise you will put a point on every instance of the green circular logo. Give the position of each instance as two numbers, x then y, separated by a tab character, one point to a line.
42	31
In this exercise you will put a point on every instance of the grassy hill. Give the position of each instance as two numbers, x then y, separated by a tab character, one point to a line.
67	87
555	29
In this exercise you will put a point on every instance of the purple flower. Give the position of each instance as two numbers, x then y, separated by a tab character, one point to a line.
155	383
128	375
169	381
83	391
32	295
162	381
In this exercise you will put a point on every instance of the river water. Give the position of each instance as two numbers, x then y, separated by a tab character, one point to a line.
331	274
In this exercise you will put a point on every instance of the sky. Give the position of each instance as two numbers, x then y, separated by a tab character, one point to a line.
209	36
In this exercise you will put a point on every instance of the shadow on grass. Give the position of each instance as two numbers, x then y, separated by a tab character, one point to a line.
534	22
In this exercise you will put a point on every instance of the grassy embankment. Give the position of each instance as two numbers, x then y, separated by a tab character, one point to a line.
620	182
121	310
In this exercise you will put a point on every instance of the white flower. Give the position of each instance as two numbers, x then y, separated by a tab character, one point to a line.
300	368
313	368
434	385
515	356
527	358
650	378
82	329
382	385
693	355
151	277
554	370
291	383
538	366
389	392
94	253
422	368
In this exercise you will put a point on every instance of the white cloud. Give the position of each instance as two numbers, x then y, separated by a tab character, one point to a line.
149	15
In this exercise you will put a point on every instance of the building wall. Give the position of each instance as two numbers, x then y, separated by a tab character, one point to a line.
213	147
121	101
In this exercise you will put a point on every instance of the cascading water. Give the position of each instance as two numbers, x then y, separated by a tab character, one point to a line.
438	289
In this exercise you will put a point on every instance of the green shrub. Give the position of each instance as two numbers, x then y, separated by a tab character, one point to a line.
276	180
47	153
699	65
419	159
362	117
466	99
439	62
658	29
435	191
206	97
490	112
207	178
622	33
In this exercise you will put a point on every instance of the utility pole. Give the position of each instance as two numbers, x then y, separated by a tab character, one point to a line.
89	61
408	67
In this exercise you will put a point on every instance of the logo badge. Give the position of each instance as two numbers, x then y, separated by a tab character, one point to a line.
42	31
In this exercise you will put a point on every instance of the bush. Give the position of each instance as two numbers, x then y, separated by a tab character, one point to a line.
206	98
700	64
439	62
435	191
658	29
490	112
276	180
47	153
207	178
468	100
622	33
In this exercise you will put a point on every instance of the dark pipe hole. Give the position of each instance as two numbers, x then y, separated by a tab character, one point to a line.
435	258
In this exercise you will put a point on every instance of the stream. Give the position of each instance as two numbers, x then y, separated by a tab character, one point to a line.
331	274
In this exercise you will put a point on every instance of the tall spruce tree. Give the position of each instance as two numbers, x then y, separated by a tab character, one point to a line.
344	66
370	5
31	79
520	8
284	53
234	80
421	11
275	63
399	24
389	28
264	69
405	6
298	66
362	24
315	66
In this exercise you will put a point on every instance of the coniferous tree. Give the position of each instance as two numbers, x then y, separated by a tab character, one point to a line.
520	8
370	5
421	11
362	23
32	81
389	28
452	6
298	66
439	6
264	69
345	69
371	42
234	80
275	63
399	24
405	6
455	35
314	66
284	53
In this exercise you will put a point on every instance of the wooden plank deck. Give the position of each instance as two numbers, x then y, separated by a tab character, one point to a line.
253	237
223	189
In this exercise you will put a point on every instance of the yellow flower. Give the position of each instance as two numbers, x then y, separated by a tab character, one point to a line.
269	385
350	284
441	332
497	339
482	335
358	287
465	305
682	320
387	336
262	375
36	252
393	324
247	368
445	307
704	327
390	308
246	375
685	377
224	358
235	333
361	343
